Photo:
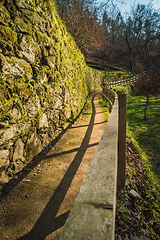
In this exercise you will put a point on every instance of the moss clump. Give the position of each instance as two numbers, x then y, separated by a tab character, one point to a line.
7	34
51	61
2	61
5	108
27	69
4	15
42	38
22	26
6	45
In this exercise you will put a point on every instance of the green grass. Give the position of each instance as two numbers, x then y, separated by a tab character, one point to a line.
117	75
124	89
146	183
145	138
146	133
111	75
97	67
105	106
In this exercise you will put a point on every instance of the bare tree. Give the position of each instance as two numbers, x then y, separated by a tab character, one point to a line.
141	30
81	20
149	83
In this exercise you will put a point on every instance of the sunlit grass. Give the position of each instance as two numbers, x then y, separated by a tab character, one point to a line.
145	137
142	174
117	75
123	88
111	75
146	133
105	106
147	184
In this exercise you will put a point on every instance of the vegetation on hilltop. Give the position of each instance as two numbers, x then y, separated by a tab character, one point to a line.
103	33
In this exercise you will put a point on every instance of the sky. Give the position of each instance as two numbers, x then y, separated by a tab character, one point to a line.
126	7
128	3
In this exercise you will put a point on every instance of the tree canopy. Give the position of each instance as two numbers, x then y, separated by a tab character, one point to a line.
104	33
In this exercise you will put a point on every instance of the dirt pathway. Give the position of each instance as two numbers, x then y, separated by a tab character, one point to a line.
35	205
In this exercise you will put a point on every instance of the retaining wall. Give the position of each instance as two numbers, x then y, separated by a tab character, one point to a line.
44	81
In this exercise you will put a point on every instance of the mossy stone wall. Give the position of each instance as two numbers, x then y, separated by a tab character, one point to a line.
44	81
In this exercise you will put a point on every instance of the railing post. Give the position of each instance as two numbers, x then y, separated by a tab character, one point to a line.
122	98
106	94
103	91
110	96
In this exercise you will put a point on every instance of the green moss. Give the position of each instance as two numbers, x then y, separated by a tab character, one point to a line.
23	26
41	38
2	60
66	66
6	45
57	76
7	34
51	60
5	108
27	69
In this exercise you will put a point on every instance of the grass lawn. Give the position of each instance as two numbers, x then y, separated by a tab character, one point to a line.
146	133
111	75
142	169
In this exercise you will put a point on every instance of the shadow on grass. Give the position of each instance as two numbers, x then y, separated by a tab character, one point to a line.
48	222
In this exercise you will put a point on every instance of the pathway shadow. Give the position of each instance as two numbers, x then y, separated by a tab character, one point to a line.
87	125
8	187
69	151
48	222
102	112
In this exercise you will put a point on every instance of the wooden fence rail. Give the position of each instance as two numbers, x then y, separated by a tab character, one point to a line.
93	213
122	118
121	82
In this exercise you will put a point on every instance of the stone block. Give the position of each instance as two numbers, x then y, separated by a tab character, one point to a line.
3	15
15	114
3	124
4	158
3	178
33	146
32	106
8	133
43	121
19	150
51	61
14	68
44	139
30	50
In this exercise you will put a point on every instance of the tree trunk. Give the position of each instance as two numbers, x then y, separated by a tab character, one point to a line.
131	63
130	55
145	109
